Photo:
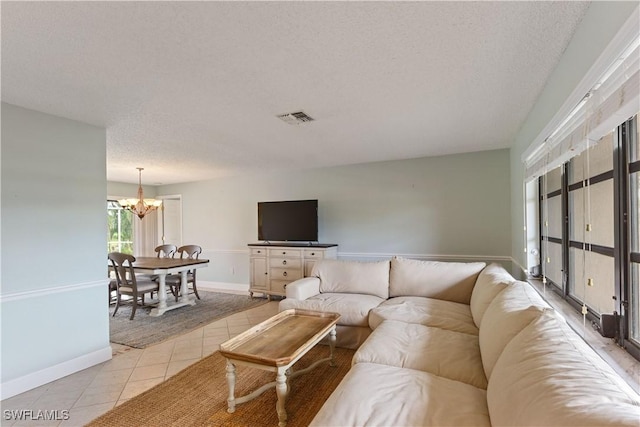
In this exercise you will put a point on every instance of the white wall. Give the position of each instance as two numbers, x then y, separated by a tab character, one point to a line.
452	206
129	191
53	290
601	22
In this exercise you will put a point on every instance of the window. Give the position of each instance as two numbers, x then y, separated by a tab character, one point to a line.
631	135
590	231
119	228
591	274
551	191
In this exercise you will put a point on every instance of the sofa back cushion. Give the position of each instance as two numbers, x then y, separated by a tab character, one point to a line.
491	280
450	281
353	277
547	375
511	311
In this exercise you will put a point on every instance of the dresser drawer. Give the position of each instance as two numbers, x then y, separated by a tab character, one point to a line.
291	263
258	252
278	287
288	274
313	254
285	252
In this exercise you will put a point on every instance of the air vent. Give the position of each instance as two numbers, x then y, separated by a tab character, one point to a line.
295	118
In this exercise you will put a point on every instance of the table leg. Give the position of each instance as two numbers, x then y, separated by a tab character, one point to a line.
184	295
281	391
231	382
332	346
162	291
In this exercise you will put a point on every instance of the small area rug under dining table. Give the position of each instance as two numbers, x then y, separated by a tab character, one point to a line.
145	330
197	395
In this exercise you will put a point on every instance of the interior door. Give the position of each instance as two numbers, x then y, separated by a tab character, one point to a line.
170	221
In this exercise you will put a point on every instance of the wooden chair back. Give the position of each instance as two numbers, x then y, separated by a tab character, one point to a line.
166	251
189	251
123	267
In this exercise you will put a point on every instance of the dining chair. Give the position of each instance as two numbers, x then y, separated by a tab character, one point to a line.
164	251
174	281
127	281
113	287
113	284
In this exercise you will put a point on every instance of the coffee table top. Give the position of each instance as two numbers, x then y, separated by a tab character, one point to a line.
279	340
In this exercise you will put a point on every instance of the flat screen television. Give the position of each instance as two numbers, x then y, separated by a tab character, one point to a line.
288	221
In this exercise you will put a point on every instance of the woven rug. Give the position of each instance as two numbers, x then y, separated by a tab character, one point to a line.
145	330
197	396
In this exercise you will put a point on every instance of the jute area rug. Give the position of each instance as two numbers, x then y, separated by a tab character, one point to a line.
145	330
197	396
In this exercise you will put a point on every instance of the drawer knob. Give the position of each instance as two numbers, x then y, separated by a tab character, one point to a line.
284	274
284	253
285	285
284	262
313	253
259	252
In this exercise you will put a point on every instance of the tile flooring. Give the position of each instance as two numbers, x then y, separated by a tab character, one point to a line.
93	391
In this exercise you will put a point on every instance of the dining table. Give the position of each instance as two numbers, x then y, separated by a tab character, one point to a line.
161	267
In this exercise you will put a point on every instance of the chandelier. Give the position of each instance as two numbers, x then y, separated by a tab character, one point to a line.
140	206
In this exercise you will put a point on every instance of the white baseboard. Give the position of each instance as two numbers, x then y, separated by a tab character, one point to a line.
230	288
36	379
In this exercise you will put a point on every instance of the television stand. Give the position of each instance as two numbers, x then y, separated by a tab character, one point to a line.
268	243
274	265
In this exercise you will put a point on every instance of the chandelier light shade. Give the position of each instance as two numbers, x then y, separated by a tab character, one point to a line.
140	206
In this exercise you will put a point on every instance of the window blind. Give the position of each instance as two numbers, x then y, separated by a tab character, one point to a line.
607	95
610	102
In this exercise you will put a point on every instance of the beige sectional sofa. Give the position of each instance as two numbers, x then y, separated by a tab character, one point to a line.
456	344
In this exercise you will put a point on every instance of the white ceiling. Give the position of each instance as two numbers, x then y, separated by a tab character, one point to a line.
190	91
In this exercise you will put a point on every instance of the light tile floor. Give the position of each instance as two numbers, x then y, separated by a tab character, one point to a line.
93	391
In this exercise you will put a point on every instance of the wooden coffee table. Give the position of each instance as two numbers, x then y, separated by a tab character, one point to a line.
275	345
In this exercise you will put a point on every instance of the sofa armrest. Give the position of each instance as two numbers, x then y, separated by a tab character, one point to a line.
302	289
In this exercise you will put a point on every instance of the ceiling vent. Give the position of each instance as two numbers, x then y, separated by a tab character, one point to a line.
295	118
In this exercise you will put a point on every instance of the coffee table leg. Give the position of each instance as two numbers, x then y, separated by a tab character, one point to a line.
231	381
332	345
281	391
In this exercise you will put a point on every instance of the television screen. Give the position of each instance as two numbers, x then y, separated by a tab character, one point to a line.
292	221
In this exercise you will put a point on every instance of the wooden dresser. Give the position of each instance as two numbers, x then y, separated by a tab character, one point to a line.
273	266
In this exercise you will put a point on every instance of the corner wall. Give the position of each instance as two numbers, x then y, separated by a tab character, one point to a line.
53	244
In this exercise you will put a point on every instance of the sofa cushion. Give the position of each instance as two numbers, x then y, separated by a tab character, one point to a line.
303	288
353	277
353	308
547	375
509	313
381	395
450	281
425	311
448	354
491	280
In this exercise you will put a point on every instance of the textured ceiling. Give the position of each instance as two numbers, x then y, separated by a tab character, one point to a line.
190	90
